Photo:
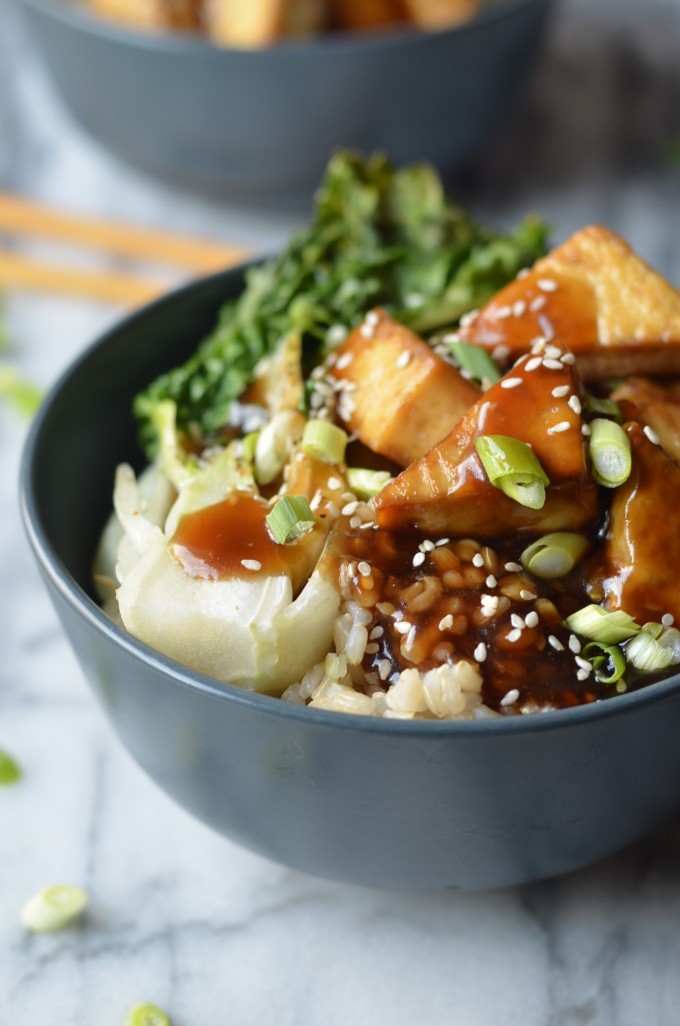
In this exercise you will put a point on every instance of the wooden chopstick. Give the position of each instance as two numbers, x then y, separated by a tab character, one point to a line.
20	216
21	272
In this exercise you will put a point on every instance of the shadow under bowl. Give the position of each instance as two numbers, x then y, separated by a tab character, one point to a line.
384	803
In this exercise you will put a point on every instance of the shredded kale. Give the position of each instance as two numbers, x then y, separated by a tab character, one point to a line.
378	236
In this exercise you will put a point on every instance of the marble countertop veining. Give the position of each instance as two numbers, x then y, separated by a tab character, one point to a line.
208	931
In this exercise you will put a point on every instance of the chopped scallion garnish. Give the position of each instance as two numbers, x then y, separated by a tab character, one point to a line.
595	406
146	1015
512	467
53	907
367	483
474	362
655	648
291	517
10	770
554	555
601	625
609	453
325	441
608	661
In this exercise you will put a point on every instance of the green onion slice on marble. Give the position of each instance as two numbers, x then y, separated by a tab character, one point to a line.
10	771
512	467
367	483
554	555
325	441
655	648
146	1015
608	661
53	908
609	453
599	624
474	362
291	517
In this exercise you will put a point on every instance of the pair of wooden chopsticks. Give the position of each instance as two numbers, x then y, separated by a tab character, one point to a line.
20	217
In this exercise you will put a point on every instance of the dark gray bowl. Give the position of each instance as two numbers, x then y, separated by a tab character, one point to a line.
379	802
262	124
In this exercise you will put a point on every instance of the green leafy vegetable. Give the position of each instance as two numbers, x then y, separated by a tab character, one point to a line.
378	236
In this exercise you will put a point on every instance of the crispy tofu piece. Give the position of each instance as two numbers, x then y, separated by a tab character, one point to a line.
615	313
441	14
364	15
448	491
642	549
401	398
655	406
152	14
249	24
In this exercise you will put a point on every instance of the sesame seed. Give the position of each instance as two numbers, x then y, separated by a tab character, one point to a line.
574	644
511	697
376	633
547	285
372	648
551	364
537	304
384	669
560	391
404	359
350	508
364	568
651	434
523	273
333	510
514	635
442	541
418	559
344	360
531	619
334	483
478	559
336	334
667	620
511	382
538	345
556	643
251	564
480	652
446	622
491	581
557	429
366	330
583	663
528	596
519	308
503	311
355	522
546	327
582	674
533	364
574	403
489	605
372	317
552	352
568	358
403	627
500	352
517	621
469	318
426	546
513	567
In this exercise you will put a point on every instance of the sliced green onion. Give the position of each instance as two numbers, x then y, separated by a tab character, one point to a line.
595	406
249	446
474	362
655	648
325	441
291	517
554	555
146	1015
10	771
512	467
53	907
608	661
367	483
600	625
609	453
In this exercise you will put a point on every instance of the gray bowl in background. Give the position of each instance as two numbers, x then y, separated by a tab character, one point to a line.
387	803
256	125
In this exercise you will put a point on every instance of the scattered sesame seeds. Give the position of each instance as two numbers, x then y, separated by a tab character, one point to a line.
344	361
376	633
651	434
557	429
372	648
568	358
585	429
519	308
513	567
667	620
491	581
350	508
355	522
446	622
559	391
537	304
583	663
574	644
364	568
251	564
556	643
478	559
503	311
582	674
574	403
517	621
418	559
552	352
333	510
551	364
336	334
479	653
531	619
404	359
500	352
533	364
546	327
511	697
469	318
528	596
334	483
511	382
426	546
441	541
403	626
384	669
514	635
523	273
489	605
547	285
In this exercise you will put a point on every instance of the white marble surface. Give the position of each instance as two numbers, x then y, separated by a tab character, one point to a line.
179	916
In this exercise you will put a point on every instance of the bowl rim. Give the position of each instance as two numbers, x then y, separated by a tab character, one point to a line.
85	606
74	15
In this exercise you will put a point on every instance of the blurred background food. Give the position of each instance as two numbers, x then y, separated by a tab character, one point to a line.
255	23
